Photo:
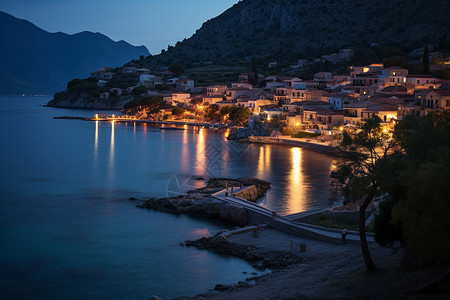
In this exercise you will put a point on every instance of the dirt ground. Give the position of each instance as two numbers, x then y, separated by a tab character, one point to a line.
332	271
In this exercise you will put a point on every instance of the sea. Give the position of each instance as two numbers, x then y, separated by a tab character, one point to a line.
69	230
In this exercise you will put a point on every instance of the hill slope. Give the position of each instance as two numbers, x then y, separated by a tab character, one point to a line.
270	29
38	62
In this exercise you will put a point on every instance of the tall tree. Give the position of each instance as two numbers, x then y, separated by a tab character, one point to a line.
423	211
425	61
367	154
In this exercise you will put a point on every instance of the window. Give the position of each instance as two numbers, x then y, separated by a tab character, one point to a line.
418	81
448	103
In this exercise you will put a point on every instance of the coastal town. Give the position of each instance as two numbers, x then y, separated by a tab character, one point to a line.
326	104
288	149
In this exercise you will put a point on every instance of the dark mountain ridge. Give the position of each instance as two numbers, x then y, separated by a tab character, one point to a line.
34	61
294	29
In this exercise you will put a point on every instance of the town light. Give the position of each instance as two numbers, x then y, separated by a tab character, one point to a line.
298	124
96	116
341	128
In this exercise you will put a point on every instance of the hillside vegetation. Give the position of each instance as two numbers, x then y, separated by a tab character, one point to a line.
270	30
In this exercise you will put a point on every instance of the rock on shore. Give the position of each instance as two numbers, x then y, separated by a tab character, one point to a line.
199	202
259	259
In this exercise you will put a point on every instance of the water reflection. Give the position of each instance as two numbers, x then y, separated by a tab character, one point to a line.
145	130
185	153
296	183
264	165
96	143
200	157
200	232
111	155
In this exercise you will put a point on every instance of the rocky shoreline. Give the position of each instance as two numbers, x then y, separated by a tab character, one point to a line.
201	203
259	259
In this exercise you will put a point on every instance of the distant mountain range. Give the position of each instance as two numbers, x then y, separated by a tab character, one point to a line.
34	61
294	29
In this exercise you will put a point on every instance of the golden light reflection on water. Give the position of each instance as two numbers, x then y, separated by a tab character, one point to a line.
185	153
200	232
96	148
111	154
264	162
96	141
296	190
200	157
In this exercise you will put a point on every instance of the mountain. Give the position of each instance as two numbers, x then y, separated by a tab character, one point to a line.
294	29
34	61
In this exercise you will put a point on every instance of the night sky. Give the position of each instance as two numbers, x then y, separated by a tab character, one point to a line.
152	23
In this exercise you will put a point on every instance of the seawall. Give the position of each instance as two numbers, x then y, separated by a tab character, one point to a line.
323	148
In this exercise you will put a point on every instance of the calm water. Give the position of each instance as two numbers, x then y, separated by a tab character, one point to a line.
68	230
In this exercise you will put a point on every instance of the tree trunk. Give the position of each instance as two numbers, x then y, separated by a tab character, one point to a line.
370	266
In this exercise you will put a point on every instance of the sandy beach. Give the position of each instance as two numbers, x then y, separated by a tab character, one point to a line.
330	271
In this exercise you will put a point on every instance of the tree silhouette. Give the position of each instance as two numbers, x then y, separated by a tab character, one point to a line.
425	61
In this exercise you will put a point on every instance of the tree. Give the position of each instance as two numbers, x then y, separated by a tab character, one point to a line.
73	83
423	211
139	90
368	153
425	61
149	102
177	111
212	112
398	61
239	114
177	69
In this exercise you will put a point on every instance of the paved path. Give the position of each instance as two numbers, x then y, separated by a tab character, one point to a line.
286	223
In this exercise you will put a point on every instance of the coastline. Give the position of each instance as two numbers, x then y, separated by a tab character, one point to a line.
300	267
324	271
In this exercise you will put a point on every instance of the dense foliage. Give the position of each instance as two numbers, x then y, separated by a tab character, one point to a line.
412	174
422	211
236	114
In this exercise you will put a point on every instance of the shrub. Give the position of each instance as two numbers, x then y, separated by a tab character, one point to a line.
305	134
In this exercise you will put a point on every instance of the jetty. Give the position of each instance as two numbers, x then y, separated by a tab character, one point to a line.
132	119
288	223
